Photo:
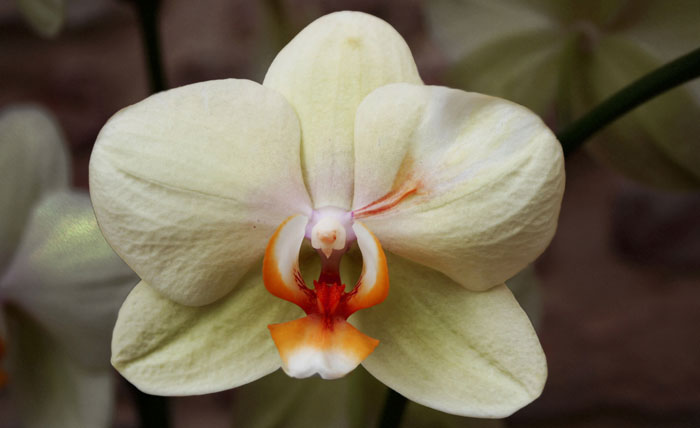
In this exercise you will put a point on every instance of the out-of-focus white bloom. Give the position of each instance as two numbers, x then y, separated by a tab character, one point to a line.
563	57
60	283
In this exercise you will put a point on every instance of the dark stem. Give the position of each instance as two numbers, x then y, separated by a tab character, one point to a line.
152	409
394	406
642	90
147	11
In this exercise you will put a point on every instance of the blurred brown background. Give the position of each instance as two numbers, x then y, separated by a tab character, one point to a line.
621	280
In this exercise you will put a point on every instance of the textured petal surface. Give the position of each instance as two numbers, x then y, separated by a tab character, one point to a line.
189	184
464	183
33	160
325	72
457	351
67	277
45	16
50	388
165	348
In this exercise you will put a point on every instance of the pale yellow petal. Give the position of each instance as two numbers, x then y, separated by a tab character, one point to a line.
189	184
464	183
325	72
165	348
33	161
457	351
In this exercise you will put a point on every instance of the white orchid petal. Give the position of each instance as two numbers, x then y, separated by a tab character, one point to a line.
166	348
325	72
51	388
67	277
464	183
457	351
33	160
189	184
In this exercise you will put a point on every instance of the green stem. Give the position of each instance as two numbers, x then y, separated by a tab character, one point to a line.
394	406
638	92
147	11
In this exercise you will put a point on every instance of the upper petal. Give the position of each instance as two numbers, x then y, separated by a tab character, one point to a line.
189	184
457	351
67	277
166	348
33	160
464	183
325	72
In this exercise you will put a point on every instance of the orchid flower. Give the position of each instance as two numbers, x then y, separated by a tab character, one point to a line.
231	199
60	283
562	58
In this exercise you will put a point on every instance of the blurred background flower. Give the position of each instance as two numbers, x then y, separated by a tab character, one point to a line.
562	58
60	283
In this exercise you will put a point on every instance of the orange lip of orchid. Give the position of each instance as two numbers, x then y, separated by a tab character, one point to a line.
323	342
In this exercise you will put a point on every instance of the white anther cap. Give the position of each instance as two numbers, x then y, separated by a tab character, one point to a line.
328	235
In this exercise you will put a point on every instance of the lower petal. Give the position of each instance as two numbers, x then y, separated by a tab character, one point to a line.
165	348
312	345
457	351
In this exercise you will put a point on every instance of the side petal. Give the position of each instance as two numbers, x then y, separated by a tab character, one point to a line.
68	278
189	184
165	348
51	388
464	183
457	351
325	72
373	284
33	161
281	273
